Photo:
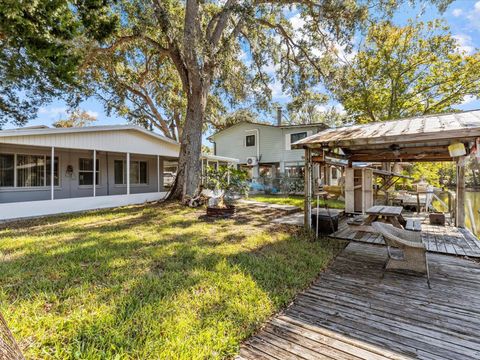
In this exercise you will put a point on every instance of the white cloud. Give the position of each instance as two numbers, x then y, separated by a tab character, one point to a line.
271	69
471	15
92	113
277	91
464	43
53	111
474	16
457	12
341	110
467	99
297	22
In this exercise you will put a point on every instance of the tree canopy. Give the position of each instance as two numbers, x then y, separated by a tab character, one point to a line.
41	50
402	71
77	118
205	55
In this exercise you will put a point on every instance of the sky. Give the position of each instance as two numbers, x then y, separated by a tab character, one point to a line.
463	17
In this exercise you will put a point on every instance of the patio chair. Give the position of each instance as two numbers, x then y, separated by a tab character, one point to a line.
405	249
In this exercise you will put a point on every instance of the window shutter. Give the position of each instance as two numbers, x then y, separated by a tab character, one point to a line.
287	142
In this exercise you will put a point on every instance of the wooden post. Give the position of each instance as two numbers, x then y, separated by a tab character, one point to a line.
418	203
460	203
349	190
327	174
308	189
367	189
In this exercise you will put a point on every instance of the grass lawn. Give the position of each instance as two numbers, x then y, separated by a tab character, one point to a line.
295	200
149	282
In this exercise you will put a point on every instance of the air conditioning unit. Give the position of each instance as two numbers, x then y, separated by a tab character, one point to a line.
252	161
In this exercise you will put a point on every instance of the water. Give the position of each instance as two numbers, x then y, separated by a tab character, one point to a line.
474	197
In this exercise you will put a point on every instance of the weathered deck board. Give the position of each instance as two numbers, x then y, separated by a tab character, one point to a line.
351	312
440	239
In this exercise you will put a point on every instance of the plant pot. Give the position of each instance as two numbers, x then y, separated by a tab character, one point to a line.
221	212
437	219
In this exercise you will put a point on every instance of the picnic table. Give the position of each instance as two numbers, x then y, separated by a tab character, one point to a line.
388	214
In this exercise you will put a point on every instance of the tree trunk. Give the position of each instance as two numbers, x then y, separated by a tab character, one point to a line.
189	165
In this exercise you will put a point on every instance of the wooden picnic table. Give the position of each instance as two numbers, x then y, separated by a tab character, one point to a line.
388	214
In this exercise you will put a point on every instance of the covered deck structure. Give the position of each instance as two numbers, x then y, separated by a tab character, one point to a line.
424	138
355	310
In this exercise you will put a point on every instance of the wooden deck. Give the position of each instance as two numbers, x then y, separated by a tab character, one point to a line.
351	312
438	239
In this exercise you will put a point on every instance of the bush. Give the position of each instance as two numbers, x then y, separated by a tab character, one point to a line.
228	180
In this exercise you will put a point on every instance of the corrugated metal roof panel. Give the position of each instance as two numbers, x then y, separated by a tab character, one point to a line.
424	128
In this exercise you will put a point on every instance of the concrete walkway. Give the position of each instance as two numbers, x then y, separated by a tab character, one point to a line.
297	218
287	208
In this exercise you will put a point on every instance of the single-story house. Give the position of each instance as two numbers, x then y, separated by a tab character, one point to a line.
125	162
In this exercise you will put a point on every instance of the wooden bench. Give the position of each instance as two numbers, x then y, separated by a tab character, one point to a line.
413	225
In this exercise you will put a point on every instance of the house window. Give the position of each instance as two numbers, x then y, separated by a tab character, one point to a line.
250	140
30	170
138	172
85	172
297	137
7	170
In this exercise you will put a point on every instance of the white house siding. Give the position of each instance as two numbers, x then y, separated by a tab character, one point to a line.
125	140
69	186
272	143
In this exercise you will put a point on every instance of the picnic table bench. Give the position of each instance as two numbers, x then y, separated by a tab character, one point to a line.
389	214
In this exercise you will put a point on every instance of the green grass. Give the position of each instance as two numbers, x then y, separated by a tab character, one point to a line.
295	200
149	282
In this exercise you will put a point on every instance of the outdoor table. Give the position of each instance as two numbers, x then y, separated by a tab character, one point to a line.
389	214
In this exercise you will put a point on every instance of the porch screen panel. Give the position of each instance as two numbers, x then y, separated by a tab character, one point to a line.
7	171
55	171
143	172
138	172
134	172
85	172
30	170
119	171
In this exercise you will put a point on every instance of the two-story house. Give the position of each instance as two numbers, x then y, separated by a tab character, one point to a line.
263	148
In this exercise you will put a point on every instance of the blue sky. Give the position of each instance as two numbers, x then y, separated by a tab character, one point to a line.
462	16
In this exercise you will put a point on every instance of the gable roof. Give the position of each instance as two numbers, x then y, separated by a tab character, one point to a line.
421	138
286	126
45	130
421	128
115	138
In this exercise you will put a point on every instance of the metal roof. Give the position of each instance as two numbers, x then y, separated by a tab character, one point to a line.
220	158
421	129
28	131
282	126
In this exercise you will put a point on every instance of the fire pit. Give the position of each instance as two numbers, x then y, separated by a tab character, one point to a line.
221	211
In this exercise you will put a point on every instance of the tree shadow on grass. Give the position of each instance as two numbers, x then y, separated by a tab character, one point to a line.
162	287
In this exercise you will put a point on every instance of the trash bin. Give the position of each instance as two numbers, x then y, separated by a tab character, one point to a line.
327	224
